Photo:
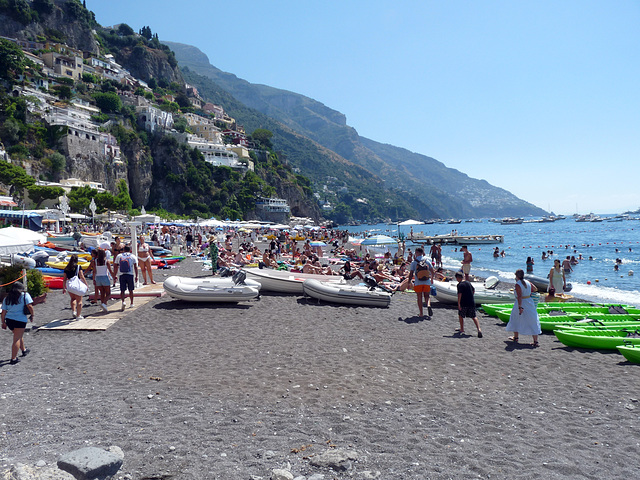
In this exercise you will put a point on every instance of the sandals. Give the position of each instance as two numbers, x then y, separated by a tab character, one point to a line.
513	339
535	344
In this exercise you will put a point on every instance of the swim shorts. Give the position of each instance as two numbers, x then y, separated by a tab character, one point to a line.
466	268
422	288
467	312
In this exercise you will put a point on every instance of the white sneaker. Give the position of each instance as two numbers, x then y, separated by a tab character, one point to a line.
79	317
122	307
104	307
131	306
73	314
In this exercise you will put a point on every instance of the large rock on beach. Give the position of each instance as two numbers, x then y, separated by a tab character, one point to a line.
91	463
25	472
337	459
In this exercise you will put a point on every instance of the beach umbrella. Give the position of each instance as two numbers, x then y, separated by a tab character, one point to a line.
379	240
411	222
317	243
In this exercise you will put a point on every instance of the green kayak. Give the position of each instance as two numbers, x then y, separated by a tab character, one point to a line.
598	326
630	352
584	308
546	318
601	340
587	310
552	322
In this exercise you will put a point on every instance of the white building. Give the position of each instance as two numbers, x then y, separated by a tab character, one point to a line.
154	119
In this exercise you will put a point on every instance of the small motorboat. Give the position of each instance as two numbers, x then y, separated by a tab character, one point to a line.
212	289
281	281
447	292
363	295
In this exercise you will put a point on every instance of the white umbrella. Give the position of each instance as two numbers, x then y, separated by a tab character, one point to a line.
379	240
411	222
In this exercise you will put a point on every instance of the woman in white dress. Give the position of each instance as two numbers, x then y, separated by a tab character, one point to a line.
557	279
524	315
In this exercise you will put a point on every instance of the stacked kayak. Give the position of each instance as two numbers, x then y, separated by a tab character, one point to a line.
599	339
630	352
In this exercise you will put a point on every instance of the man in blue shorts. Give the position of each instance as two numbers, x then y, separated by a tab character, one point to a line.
127	265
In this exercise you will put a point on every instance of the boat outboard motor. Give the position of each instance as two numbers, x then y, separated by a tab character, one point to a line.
239	277
40	257
491	282
370	281
224	272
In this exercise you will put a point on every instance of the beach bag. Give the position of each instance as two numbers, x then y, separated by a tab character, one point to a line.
125	266
77	286
535	296
423	270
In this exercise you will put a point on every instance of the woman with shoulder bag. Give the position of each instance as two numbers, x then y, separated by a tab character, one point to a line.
76	285
15	308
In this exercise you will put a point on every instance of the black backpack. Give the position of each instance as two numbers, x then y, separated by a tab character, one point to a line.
423	269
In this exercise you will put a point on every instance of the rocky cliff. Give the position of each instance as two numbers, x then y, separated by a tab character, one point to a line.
58	21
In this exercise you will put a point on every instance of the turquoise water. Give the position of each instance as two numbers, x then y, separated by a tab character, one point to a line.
594	280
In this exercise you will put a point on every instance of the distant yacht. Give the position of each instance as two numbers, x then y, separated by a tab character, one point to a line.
511	221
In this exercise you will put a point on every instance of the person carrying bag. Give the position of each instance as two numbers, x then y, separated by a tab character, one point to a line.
76	285
16	309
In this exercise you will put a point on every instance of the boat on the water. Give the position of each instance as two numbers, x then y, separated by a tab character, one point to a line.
282	281
211	289
511	221
630	352
447	292
346	294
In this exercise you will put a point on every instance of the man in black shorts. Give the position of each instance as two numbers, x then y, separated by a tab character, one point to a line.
466	304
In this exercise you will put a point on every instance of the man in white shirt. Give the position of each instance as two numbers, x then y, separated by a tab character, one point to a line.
127	265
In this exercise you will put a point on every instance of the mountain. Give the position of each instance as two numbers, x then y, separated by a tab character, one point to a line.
448	192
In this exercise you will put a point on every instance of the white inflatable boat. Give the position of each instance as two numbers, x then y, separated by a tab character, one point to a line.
211	289
281	281
346	294
447	292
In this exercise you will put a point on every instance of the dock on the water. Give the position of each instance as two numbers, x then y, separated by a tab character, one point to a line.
450	239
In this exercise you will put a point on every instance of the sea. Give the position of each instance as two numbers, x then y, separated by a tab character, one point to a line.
594	279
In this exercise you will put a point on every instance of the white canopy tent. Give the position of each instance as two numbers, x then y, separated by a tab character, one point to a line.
23	235
10	245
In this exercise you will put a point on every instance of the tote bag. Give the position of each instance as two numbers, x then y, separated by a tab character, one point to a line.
77	286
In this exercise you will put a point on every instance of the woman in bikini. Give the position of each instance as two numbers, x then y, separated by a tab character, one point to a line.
144	260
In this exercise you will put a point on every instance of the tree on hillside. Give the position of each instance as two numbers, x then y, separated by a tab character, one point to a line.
125	30
12	61
123	200
108	102
40	193
146	33
80	198
262	137
16	177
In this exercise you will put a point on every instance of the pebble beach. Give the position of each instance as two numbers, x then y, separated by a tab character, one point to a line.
319	391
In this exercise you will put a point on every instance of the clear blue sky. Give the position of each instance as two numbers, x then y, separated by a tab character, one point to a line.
541	98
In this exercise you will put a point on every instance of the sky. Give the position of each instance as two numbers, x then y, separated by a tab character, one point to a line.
541	98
